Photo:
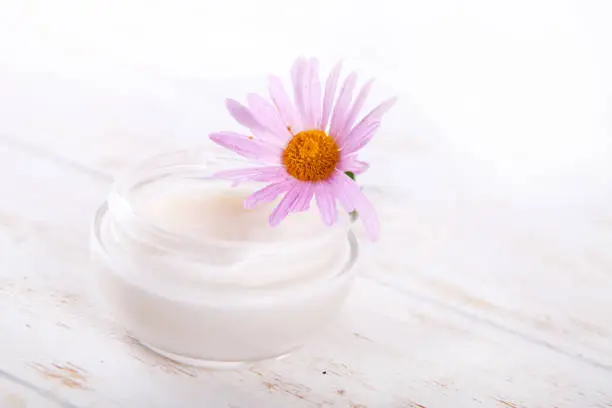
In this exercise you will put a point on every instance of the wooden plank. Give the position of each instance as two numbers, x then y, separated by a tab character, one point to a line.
16	393
387	349
533	263
539	270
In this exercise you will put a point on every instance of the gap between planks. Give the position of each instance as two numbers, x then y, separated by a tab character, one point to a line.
37	152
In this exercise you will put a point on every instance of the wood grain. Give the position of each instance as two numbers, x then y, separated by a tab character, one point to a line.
533	264
410	335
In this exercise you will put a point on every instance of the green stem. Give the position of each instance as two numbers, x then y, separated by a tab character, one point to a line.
353	214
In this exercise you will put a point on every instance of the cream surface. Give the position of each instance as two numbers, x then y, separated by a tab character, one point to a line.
211	211
232	245
246	281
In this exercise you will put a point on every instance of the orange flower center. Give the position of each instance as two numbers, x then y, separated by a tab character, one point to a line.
311	155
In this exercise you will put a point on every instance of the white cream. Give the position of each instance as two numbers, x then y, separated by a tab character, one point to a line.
238	245
243	291
214	211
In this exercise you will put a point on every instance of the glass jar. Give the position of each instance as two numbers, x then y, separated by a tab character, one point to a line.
206	283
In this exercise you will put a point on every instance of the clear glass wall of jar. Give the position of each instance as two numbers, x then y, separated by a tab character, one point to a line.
214	300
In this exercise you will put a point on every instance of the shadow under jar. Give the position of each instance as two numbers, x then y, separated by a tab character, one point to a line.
192	275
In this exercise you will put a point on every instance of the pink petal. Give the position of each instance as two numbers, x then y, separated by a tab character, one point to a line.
285	108
268	193
355	109
352	199
248	147
360	137
242	114
342	105
306	95
350	163
367	213
339	190
330	93
268	116
245	117
359	130
326	203
265	174
303	202
298	75
376	114
286	205
315	94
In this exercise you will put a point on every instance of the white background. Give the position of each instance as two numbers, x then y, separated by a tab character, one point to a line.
495	176
521	90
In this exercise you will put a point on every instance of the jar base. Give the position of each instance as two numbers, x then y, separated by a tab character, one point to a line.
213	365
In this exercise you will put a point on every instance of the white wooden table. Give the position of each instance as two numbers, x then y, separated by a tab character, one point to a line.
492	283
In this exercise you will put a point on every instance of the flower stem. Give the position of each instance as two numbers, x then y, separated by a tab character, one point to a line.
353	214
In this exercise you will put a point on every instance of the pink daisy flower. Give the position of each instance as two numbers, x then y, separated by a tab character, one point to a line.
307	145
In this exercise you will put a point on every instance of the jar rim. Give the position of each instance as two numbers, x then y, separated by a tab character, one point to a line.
98	246
201	163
